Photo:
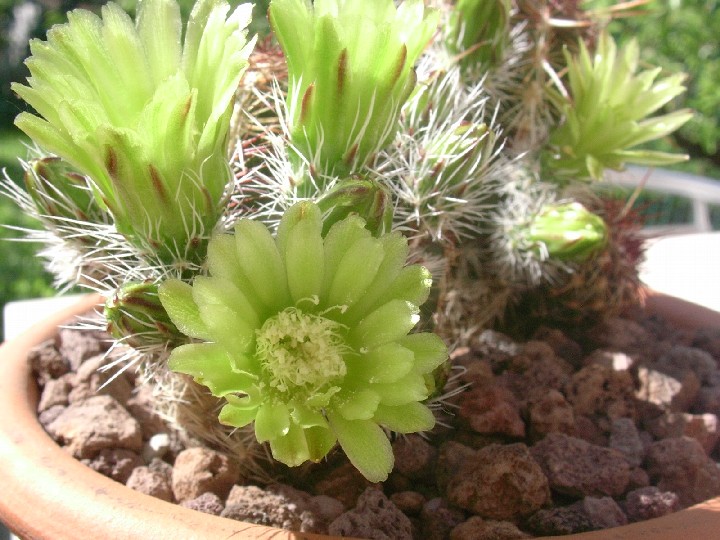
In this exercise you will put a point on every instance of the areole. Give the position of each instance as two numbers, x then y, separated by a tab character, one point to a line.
49	495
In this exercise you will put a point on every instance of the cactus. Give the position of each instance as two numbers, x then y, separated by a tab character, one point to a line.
294	247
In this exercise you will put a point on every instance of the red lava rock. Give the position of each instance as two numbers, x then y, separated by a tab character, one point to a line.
551	414
615	360
680	360
437	519
650	502
620	334
451	457
199	470
638	479
680	465
708	400
541	369
477	528
373	516
140	405
91	380
208	503
602	394
55	392
115	463
345	483
414	456
77	346
98	422
625	439
491	410
603	512
588	430
151	483
560	520
499	482
47	362
562	345
701	427
708	339
576	467
48	416
667	392
410	502
275	506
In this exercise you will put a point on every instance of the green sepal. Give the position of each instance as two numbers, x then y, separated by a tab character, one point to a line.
366	446
177	299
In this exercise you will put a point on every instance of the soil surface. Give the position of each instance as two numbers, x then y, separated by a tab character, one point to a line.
552	436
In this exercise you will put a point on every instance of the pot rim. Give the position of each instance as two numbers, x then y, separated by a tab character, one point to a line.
39	500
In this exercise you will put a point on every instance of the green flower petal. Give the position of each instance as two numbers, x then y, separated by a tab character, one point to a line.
339	239
272	421
210	365
384	364
389	322
290	448
429	349
220	292
305	417
356	272
366	445
409	418
231	415
358	404
412	284
261	263
320	440
300	243
228	328
177	299
410	388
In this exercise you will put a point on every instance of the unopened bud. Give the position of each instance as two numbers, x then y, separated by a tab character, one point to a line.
568	232
135	316
361	196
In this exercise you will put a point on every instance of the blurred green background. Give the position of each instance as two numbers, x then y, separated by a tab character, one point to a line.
680	35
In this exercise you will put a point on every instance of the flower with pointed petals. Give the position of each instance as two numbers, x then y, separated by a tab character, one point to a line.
607	113
307	337
350	67
142	113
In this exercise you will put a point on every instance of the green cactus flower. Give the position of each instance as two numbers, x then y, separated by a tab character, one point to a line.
143	113
350	67
479	31
566	232
607	113
307	337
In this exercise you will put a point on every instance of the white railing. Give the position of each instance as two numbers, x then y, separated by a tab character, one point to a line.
700	191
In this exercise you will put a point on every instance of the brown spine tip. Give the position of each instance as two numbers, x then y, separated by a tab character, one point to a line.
342	72
111	162
208	200
188	105
399	65
307	97
157	183
351	154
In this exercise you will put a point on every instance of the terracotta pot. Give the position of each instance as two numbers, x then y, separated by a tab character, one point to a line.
49	495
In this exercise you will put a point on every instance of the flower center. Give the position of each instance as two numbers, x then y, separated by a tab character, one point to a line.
301	349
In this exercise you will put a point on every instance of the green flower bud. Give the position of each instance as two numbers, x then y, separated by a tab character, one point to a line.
365	197
607	113
350	68
59	191
567	232
479	31
142	113
136	317
306	337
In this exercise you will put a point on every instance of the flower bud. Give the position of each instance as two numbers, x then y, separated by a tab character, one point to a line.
567	232
136	317
364	197
59	191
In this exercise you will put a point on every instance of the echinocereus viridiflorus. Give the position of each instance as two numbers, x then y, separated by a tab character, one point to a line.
607	113
307	337
143	113
350	69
